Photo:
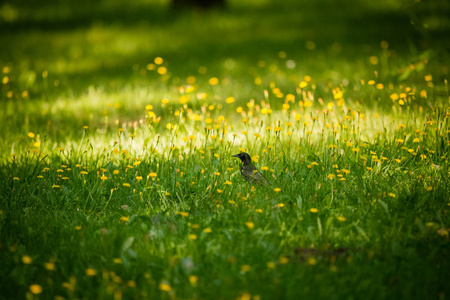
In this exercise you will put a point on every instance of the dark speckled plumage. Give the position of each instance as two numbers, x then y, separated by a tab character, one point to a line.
249	171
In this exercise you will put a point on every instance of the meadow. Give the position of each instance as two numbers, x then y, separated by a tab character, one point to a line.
118	124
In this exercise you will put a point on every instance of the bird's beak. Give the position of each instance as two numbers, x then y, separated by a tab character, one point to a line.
236	155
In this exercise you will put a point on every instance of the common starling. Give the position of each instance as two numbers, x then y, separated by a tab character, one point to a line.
249	171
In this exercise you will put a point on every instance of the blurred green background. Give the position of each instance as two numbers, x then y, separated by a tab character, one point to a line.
69	62
101	51
83	43
59	51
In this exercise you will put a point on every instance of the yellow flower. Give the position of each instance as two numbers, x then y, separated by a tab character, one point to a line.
165	287
162	70
213	81
219	191
70	286
152	174
35	289
193	279
230	100
117	260
207	230
314	210
271	265
283	260
124	219
277	190
158	60
331	176
280	204
131	283
250	224
184	99
126	184
290	97
103	177
338	94
394	97
138	178
342	219
245	268
27	260
192	237
312	261
391	195
91	272
183	214
49	266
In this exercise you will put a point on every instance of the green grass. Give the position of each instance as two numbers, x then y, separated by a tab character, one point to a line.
109	191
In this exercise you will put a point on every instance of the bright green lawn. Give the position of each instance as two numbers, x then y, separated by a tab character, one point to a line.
118	124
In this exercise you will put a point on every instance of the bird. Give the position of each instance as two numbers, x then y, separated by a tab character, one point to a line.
249	171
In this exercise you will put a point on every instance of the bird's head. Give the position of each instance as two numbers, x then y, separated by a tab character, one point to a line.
244	157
